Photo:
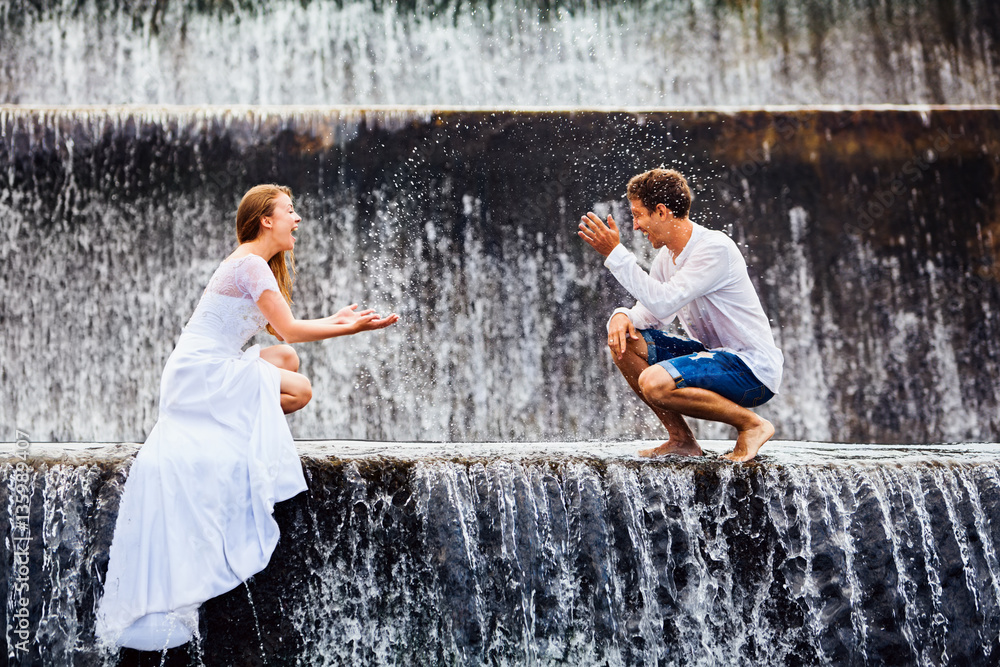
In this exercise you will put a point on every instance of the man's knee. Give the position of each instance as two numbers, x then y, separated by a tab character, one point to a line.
656	384
632	346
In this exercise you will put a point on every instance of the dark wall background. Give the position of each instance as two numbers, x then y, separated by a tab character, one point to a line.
872	236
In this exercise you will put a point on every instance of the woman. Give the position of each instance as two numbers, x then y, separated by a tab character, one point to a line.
195	515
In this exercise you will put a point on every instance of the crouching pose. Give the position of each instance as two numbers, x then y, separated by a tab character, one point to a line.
730	363
195	518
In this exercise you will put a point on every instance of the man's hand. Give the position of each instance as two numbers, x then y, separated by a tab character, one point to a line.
601	238
620	329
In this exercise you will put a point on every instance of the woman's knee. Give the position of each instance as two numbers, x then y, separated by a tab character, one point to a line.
303	391
284	356
307	391
296	391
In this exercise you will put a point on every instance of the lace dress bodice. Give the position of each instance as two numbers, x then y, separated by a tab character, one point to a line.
227	311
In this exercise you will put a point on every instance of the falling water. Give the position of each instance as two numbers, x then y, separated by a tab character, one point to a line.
875	258
872	235
500	54
566	553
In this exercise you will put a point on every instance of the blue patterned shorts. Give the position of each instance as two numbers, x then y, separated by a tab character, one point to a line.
691	364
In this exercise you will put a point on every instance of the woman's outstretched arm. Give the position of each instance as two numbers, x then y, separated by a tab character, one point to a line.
346	321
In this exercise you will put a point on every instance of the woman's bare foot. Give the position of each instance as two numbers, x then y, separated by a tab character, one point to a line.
680	448
749	442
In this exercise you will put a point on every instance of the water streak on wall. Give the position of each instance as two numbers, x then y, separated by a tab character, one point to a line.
500	54
554	559
871	235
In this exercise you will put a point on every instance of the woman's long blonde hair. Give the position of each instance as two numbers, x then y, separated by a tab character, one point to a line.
257	203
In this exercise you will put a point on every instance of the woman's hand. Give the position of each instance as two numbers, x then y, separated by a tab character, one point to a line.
346	321
358	321
349	314
381	322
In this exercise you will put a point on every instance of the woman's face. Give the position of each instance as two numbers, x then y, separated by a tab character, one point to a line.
284	221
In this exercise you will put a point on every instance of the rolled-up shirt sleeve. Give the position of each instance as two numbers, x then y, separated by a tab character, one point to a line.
640	316
658	301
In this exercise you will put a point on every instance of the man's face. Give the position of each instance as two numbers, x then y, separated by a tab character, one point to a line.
652	224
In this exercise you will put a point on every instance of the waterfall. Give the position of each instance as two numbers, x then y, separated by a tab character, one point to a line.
441	153
875	258
556	554
500	54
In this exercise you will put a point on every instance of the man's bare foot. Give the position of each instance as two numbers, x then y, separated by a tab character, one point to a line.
749	442
681	448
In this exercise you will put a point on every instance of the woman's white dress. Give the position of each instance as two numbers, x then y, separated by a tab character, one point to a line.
195	518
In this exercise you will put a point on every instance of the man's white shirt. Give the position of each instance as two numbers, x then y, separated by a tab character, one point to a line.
708	290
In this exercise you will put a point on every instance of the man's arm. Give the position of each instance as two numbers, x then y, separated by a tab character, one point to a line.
640	317
703	272
605	240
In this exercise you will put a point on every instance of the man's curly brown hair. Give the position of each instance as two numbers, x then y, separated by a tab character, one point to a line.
661	186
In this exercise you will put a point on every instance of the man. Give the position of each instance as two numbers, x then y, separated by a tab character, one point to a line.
699	277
